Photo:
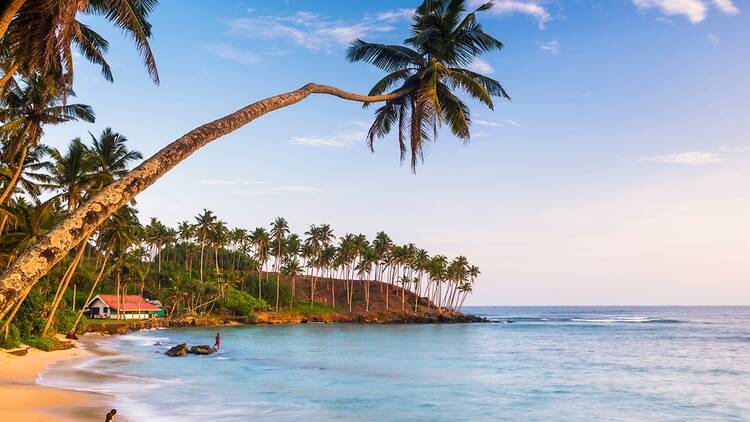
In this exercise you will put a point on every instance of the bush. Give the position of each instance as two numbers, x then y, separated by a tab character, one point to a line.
14	338
243	303
30	318
47	344
64	319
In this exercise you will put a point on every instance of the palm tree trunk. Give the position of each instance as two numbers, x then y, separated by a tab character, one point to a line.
9	14
91	292
64	285
6	324
291	301
37	260
9	74
16	175
203	246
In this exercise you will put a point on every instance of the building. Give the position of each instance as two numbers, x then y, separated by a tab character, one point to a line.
131	307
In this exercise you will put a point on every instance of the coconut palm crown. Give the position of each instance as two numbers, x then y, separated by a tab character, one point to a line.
434	63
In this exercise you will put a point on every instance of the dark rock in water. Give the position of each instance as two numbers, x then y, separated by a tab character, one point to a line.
71	336
203	349
179	350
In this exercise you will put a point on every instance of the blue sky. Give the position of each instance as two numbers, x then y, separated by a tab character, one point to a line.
618	174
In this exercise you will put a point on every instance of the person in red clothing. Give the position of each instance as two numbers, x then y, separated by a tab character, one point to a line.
217	344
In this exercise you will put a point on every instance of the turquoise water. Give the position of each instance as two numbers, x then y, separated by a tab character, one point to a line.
549	364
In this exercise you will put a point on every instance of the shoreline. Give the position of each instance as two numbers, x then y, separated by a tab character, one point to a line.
25	399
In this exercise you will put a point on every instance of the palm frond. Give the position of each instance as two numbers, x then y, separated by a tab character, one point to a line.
387	57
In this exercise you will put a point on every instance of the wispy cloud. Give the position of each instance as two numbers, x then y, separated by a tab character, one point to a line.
713	38
694	158
224	182
487	123
480	66
694	10
552	47
280	190
394	15
339	140
527	7
234	54
735	149
514	123
311	30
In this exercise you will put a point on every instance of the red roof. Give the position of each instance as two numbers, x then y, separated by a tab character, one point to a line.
128	302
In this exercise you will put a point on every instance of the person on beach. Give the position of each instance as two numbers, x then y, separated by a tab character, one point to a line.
217	344
110	416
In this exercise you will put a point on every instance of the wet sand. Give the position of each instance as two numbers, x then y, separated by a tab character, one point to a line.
23	399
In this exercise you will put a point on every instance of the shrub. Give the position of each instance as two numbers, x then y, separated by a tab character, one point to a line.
13	340
243	303
64	320
47	344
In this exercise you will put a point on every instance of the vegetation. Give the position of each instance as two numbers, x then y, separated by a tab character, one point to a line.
68	223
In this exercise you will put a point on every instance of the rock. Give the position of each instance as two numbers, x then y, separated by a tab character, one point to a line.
179	350
21	352
71	336
203	349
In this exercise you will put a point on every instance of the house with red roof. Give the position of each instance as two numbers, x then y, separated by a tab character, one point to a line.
123	307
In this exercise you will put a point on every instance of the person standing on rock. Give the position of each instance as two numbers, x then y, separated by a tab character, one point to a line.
217	344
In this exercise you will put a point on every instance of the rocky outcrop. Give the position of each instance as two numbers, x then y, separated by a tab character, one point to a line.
203	349
177	351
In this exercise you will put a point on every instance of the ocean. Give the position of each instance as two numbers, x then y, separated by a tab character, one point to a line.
532	364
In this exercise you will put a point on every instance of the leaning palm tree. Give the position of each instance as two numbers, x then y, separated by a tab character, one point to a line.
40	35
434	65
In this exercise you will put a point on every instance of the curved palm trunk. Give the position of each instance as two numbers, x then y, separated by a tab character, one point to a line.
9	74
8	14
48	251
91	292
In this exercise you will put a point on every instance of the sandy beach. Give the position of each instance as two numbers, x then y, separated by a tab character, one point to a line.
22	399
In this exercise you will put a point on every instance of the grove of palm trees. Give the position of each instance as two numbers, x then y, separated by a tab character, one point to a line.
69	225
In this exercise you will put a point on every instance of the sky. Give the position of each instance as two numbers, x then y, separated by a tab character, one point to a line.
619	173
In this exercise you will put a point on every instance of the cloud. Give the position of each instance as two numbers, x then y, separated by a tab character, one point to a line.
727	7
280	190
480	66
310	30
694	10
526	7
736	149
713	38
339	140
234	54
395	15
552	47
487	123
514	123
694	158
221	182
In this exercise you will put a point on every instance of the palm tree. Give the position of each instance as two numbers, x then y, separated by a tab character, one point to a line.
40	34
71	173
25	110
292	268
111	156
279	230
261	240
202	229
117	234
446	41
